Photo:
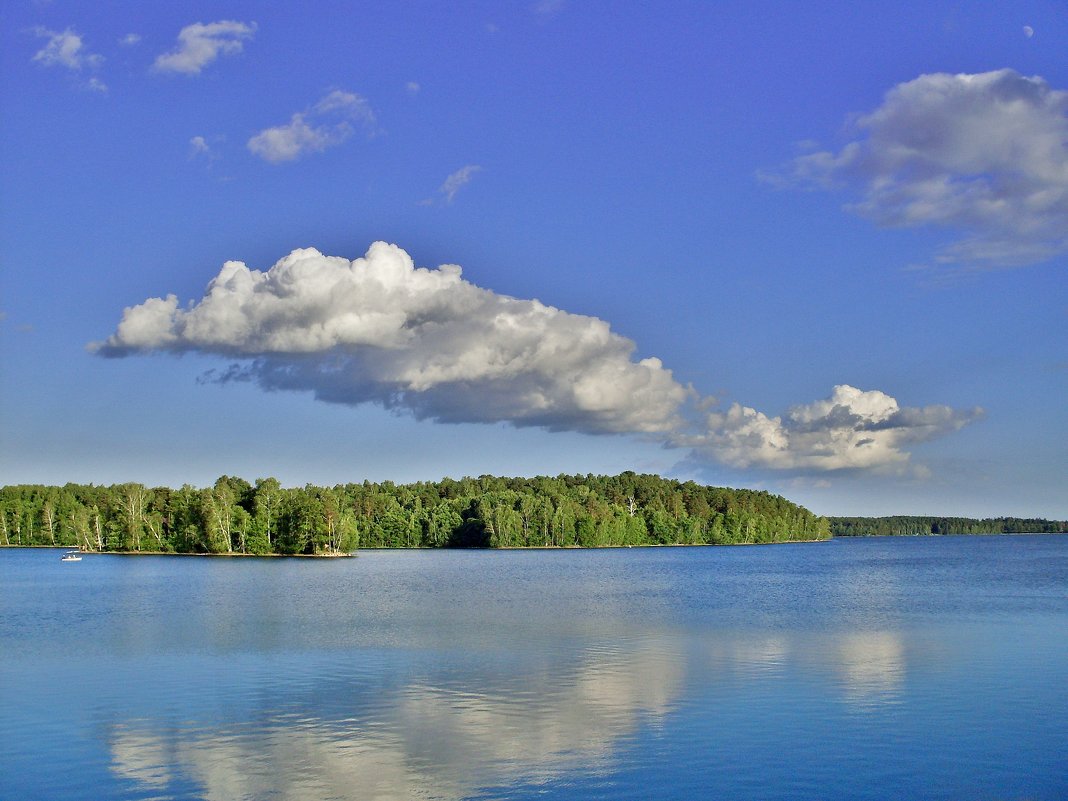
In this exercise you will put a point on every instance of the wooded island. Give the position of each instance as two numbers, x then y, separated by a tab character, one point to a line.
236	517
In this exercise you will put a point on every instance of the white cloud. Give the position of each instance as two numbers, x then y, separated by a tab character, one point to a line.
458	180
984	155
66	49
331	124
290	141
349	104
203	150
379	330
453	184
852	429
412	87
200	44
130	39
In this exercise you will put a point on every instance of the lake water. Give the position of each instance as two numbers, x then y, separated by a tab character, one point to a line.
933	668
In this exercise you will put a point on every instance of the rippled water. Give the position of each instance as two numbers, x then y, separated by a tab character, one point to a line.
931	668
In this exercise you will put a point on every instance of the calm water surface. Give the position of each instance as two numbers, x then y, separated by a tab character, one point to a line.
932	668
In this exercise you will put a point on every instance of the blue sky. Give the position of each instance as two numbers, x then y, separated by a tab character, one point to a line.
817	249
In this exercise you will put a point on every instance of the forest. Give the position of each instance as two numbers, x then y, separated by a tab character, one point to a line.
236	517
904	526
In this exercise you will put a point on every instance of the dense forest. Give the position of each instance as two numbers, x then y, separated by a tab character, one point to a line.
235	516
919	526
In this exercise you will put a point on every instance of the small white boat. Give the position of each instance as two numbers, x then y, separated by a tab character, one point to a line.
71	556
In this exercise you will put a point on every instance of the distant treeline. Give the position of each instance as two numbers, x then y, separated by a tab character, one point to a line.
919	526
235	516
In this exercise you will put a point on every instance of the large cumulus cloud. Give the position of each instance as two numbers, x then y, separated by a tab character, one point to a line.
985	155
381	330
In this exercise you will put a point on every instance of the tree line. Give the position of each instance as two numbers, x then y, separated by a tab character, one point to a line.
235	516
922	526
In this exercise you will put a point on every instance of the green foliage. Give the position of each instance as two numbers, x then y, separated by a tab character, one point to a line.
234	516
922	526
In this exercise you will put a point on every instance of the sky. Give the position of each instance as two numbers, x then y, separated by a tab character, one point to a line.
815	249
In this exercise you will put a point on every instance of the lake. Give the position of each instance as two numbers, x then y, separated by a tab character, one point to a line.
898	668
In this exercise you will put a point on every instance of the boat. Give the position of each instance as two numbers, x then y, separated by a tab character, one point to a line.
71	556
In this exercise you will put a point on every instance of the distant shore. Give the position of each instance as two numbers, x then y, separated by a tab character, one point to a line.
921	526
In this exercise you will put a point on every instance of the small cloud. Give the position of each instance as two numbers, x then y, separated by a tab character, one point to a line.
548	8
853	429
808	482
412	87
64	49
199	45
200	149
920	472
459	179
453	184
294	139
326	124
347	104
130	39
492	28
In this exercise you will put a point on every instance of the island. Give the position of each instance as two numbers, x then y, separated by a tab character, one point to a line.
261	518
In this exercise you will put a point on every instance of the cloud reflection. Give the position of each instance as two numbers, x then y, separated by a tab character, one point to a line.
454	734
140	756
872	666
425	740
866	668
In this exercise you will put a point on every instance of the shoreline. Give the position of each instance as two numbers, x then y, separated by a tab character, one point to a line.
354	553
235	554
